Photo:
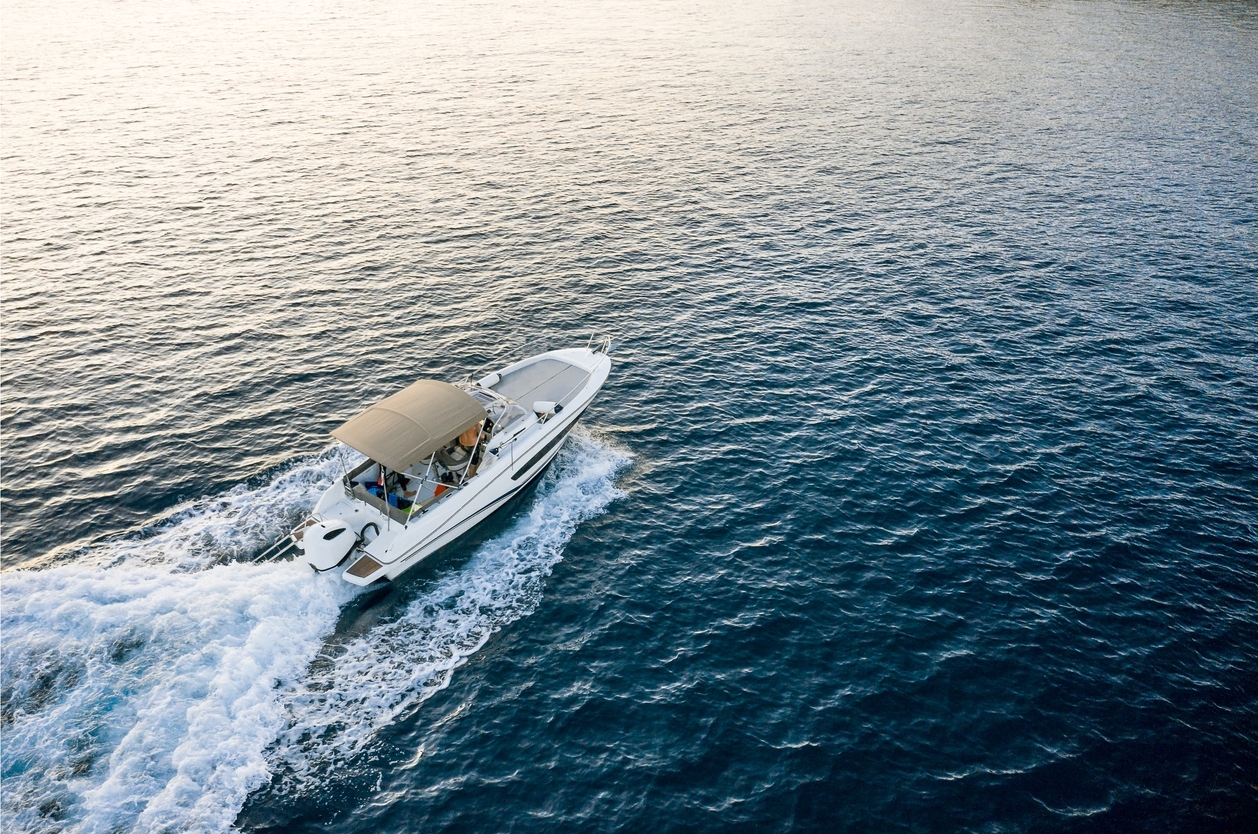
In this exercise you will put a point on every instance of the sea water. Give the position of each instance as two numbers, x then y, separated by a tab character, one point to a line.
923	494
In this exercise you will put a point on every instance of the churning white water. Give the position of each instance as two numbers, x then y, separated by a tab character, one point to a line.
152	684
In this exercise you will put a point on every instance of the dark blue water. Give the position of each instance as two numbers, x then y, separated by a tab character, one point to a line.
923	495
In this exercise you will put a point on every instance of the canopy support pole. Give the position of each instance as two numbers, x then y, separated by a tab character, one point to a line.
471	458
410	512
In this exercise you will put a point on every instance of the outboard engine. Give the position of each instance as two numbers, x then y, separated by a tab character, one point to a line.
327	543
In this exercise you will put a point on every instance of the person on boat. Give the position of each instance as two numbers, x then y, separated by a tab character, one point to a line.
473	441
463	456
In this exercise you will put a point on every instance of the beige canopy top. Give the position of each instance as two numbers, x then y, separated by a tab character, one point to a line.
403	429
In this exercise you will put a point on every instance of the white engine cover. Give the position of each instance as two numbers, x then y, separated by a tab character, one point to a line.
328	543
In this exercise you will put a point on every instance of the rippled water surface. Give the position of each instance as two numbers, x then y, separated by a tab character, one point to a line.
923	495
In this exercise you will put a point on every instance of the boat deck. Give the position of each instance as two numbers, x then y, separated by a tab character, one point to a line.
547	379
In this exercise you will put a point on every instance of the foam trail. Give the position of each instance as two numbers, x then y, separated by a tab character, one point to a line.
152	684
140	680
335	714
143	697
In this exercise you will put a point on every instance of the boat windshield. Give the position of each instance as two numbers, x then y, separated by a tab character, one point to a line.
503	413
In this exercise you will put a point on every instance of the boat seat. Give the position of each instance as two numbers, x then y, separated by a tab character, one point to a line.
454	458
372	501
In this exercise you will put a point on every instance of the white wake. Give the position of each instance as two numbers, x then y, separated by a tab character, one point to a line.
150	685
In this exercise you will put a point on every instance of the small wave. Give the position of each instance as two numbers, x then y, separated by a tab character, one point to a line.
154	683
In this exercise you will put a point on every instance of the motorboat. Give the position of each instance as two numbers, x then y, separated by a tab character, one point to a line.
441	457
